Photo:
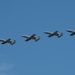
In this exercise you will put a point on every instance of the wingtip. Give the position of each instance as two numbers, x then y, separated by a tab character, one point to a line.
22	36
45	32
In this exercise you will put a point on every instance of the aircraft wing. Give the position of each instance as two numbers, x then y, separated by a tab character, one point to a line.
2	40
31	37
56	33
25	36
8	39
46	32
71	31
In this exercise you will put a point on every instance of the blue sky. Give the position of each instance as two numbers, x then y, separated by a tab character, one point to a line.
48	56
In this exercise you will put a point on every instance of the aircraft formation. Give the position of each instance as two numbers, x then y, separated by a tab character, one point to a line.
33	36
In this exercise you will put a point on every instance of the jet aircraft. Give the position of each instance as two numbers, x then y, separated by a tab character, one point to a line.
31	37
50	34
71	31
7	41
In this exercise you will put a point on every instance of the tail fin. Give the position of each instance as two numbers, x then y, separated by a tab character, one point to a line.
13	42
38	38
60	35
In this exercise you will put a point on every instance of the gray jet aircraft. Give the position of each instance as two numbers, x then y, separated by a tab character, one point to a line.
31	37
71	31
50	34
7	41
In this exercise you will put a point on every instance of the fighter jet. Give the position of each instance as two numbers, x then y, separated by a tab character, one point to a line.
71	31
7	41
50	34
31	37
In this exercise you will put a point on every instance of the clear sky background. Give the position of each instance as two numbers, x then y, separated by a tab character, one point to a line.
48	56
